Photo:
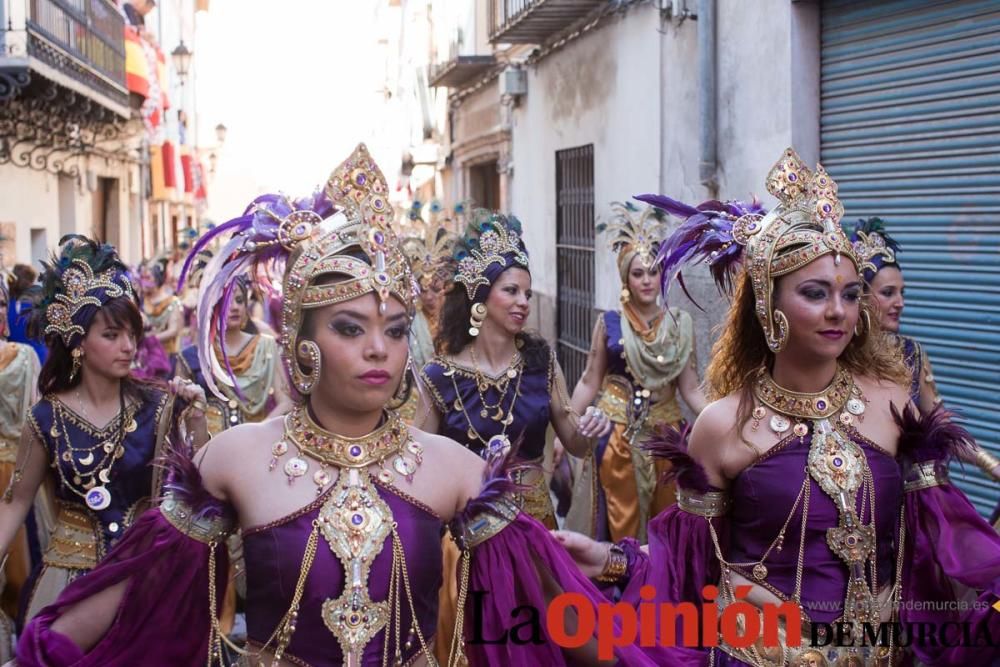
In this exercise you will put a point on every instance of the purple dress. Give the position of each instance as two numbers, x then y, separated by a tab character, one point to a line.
448	381
949	553
273	554
163	617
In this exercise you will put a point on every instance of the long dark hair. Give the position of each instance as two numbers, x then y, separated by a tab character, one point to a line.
453	331
55	374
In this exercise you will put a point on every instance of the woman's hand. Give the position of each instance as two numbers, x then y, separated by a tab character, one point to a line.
594	423
589	555
190	392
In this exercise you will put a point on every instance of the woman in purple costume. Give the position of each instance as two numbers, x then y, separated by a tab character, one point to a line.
341	505
883	276
811	478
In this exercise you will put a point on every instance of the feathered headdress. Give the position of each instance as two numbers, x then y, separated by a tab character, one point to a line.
431	243
706	235
803	227
84	276
491	245
303	240
873	245
633	233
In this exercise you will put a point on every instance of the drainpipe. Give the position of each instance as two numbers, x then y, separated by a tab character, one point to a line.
708	164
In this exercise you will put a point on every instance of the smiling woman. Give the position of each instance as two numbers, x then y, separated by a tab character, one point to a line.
810	478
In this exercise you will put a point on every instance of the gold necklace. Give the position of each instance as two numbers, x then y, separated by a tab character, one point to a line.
386	443
355	522
483	384
498	443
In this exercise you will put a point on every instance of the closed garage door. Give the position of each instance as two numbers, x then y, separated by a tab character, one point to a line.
910	128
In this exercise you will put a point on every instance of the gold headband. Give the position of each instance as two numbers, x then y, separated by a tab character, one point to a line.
787	238
358	188
78	280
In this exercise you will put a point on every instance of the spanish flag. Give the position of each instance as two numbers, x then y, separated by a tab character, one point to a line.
136	63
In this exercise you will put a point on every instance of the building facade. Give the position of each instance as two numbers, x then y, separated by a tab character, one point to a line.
590	102
91	127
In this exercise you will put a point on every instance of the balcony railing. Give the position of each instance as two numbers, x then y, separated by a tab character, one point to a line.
534	21
83	40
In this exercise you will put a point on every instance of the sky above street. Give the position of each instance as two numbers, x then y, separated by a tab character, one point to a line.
298	83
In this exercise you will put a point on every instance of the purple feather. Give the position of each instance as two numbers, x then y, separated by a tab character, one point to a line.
931	437
184	484
669	444
498	484
671	206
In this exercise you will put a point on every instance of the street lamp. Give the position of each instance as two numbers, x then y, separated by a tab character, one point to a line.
220	133
212	161
181	55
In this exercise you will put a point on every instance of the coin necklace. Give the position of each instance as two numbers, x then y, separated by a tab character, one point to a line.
95	494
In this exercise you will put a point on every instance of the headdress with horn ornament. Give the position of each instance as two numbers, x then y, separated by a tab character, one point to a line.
634	233
84	276
803	227
343	230
491	245
873	246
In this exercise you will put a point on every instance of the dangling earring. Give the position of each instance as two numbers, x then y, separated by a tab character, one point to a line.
624	296
476	318
402	394
864	323
304	384
781	331
77	354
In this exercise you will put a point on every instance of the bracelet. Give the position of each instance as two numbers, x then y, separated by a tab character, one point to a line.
986	461
616	566
199	406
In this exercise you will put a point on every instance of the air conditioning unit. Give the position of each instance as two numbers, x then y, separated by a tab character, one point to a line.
513	82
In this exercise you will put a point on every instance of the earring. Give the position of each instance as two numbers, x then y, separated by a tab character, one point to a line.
864	323
304	384
781	332
624	296
77	354
476	318
402	394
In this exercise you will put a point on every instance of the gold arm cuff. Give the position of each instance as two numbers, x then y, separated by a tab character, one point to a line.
207	530
925	475
616	567
986	461
711	504
484	526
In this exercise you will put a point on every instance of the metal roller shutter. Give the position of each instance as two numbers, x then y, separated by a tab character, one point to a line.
910	130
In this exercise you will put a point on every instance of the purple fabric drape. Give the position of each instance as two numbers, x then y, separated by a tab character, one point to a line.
502	572
162	618
951	554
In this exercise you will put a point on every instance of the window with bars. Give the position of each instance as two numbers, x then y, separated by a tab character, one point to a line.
574	258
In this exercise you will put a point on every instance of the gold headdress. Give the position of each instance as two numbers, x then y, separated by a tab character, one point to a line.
86	273
430	252
633	233
316	237
491	239
787	238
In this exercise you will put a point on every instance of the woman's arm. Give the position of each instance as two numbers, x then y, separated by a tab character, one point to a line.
578	433
29	473
690	386
282	400
589	384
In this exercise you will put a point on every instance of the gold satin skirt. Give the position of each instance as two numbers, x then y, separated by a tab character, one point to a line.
630	478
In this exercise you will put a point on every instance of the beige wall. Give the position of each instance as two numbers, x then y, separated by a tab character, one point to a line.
44	207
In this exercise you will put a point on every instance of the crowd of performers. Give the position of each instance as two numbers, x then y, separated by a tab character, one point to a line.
349	429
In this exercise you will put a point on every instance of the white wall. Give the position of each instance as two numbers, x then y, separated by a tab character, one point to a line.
587	93
631	88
